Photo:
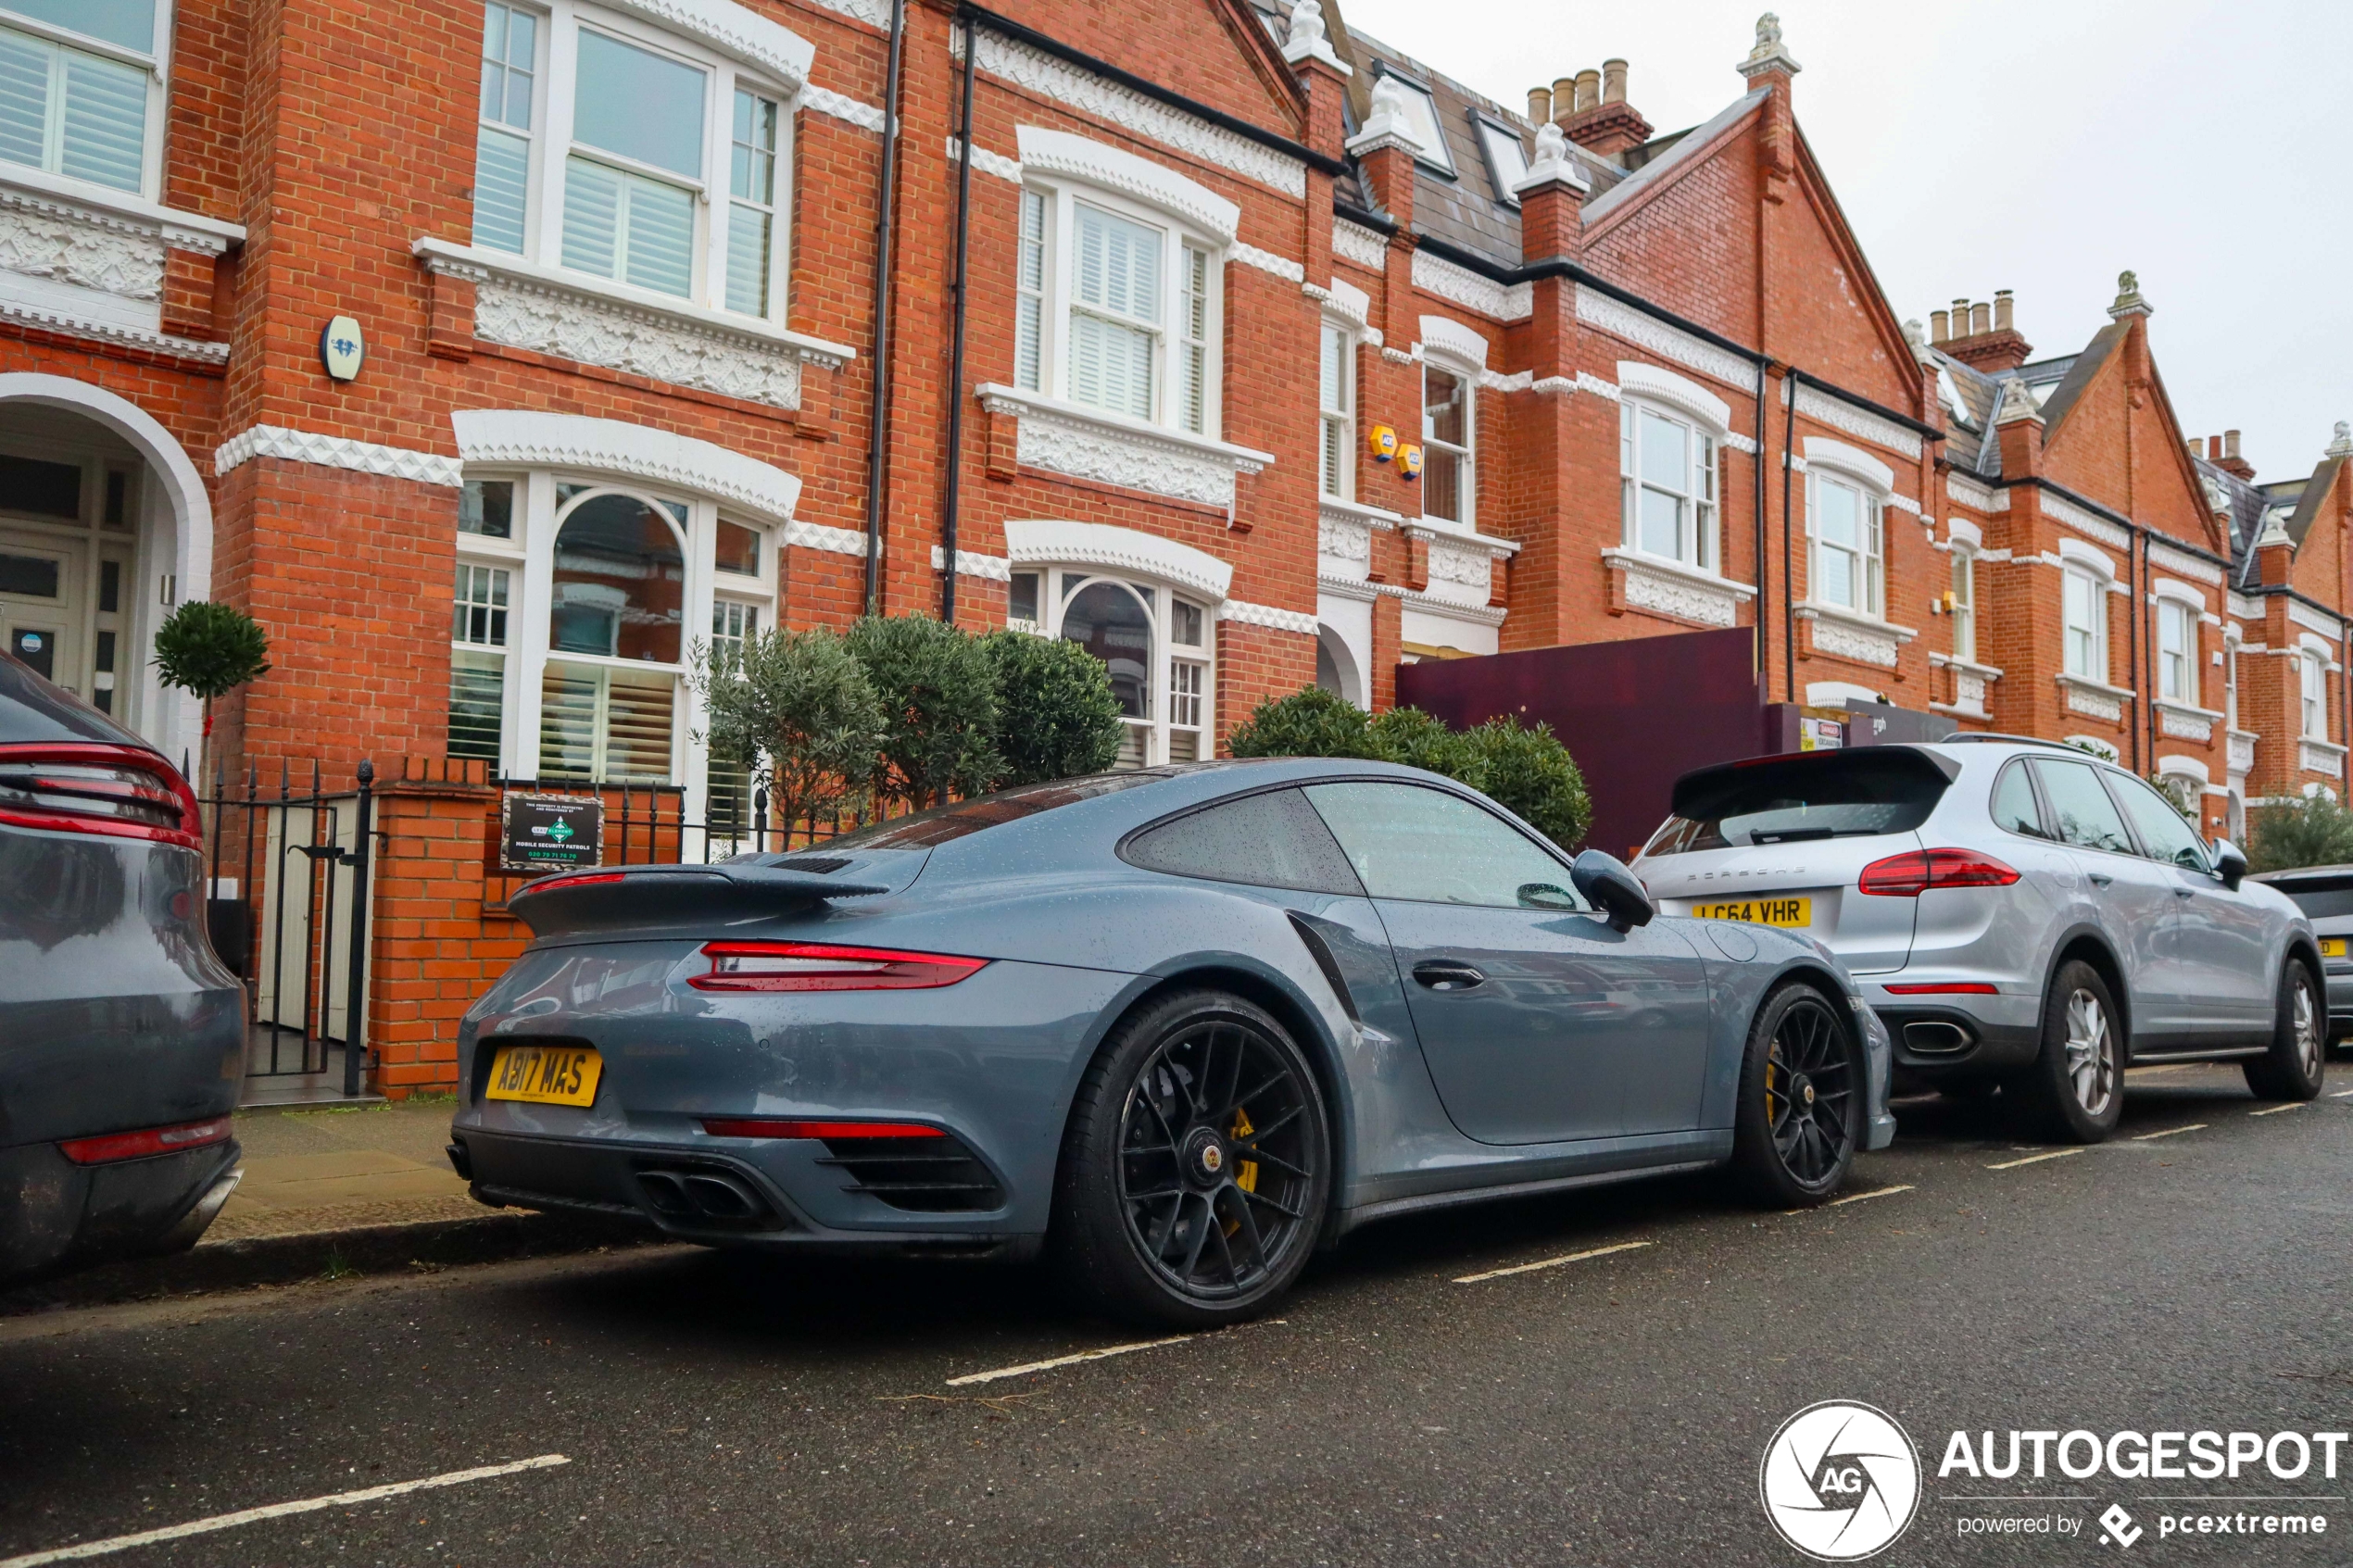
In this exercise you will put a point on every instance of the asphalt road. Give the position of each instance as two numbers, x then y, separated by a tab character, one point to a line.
1612	1409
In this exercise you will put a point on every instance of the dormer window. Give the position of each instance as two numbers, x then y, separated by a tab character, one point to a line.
1421	123
1506	159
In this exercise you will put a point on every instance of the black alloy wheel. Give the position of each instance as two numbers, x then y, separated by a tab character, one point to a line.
1196	1169
1801	1111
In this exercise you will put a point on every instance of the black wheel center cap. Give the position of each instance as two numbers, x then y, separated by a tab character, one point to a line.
1205	1158
1801	1089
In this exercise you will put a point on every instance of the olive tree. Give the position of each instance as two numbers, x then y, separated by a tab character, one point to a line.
939	691
210	650
1056	716
802	700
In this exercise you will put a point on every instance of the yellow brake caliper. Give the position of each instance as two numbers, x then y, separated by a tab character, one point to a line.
1245	1171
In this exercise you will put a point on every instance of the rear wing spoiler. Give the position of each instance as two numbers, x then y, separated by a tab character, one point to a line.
618	897
1697	788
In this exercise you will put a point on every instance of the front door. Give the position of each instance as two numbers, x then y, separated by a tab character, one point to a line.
2221	936
1538	1022
2134	896
40	605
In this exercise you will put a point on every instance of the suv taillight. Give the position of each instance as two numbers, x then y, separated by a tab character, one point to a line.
89	787
1911	874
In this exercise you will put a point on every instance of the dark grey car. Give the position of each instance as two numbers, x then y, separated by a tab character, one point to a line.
120	1034
2325	895
1181	1025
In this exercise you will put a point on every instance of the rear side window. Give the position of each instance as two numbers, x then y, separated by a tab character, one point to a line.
2168	837
2014	807
1273	839
941	824
2087	818
33	710
2321	900
1426	845
1826	794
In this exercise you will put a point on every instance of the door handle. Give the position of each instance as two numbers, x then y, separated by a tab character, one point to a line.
2100	879
1448	976
2185	893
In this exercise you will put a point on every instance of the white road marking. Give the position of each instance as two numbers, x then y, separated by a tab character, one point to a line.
1532	1268
2005	1165
2274	1110
2342	1093
1861	1196
2193	1127
276	1510
1029	1367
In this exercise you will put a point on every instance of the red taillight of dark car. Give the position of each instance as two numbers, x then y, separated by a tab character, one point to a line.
1914	873
148	1141
119	791
816	966
766	1127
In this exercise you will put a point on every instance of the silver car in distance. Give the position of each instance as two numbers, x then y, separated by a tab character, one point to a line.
2018	912
1175	1027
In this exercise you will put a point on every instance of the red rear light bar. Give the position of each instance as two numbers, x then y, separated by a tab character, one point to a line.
65	801
817	966
554	883
1914	871
1944	988
765	1127
111	1146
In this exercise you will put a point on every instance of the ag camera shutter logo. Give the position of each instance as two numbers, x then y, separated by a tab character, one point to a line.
1841	1481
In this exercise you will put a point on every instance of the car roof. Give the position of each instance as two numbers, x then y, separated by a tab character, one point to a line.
34	711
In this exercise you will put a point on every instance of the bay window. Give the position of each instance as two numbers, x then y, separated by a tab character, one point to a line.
1846	571
618	174
1155	641
1335	395
1449	481
2176	651
1667	481
79	85
2084	622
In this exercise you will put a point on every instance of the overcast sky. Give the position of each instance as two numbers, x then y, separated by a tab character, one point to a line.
2039	145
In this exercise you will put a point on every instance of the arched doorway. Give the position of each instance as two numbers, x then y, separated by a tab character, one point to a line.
105	524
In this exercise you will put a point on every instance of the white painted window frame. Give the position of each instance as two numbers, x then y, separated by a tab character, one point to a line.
155	62
1870	554
2176	634
552	145
1964	606
1341	483
1468	497
2312	689
1059	583
1708	520
2074	569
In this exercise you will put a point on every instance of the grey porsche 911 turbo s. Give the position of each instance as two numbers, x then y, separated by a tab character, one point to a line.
1175	1027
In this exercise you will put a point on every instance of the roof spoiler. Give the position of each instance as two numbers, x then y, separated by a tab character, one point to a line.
615	898
1695	788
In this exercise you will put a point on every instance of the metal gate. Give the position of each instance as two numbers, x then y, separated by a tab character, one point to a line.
287	910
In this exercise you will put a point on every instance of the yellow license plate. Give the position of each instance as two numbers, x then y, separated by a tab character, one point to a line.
2332	947
1758	912
547	1074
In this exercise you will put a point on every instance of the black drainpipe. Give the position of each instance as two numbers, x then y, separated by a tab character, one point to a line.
1763	599
956	357
2135	552
1789	378
878	454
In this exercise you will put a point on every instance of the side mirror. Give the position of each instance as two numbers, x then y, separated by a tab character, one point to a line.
2229	863
1612	889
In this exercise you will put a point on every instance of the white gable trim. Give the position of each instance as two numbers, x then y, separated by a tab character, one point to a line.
529	438
1061	542
1059	152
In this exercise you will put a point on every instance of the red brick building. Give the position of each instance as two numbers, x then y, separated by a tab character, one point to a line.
495	353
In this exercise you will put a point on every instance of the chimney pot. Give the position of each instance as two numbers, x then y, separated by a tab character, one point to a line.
1588	90
1540	104
1564	98
2190	442
1940	325
1613	81
2231	444
1960	317
1981	318
2213	448
2001	310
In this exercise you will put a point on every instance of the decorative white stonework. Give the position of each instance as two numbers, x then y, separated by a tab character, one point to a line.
529	438
1770	52
1621	320
73	323
1247	614
1840	631
1852	461
1353	242
1970	682
833	541
873	13
2242	752
1268	261
93	267
995	569
1043	74
1680	393
525	306
987	162
2311	620
1553	164
1061	542
1454	340
2183	721
1977	498
1349	303
2017	402
1091	444
1587	382
2320	756
2095	698
1671	588
733	30
1905	503
333	451
1344	538
1116	169
2066	513
1512	302
47	239
1495	381
2340	441
1861	423
1307	40
837	106
1386	123
1740	443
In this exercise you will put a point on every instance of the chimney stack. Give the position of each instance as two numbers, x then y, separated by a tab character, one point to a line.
2225	454
1985	335
1601	121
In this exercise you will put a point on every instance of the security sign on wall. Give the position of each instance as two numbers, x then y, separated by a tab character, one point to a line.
343	349
550	832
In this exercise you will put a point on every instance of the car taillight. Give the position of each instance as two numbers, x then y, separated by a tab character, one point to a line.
586	879
112	1146
814	966
1944	988
763	1127
89	787
1914	873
